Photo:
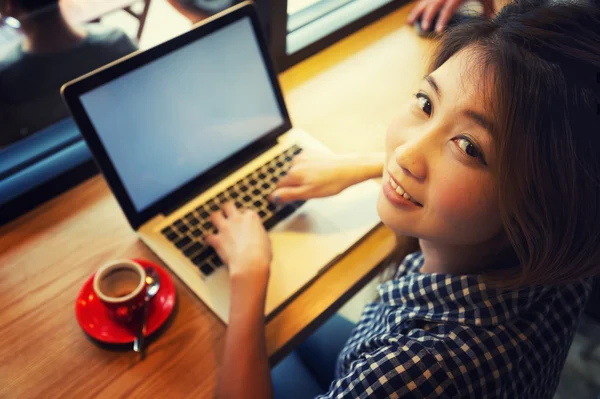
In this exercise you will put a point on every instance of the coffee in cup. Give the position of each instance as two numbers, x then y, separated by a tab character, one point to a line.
120	286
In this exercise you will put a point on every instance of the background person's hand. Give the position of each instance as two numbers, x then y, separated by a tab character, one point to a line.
315	175
242	243
428	9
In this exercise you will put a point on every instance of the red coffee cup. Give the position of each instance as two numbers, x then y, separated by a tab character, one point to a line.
121	286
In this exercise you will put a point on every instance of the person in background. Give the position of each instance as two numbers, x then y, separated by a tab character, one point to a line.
51	53
434	15
493	166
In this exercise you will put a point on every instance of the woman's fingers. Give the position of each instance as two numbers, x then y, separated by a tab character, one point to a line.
218	219
230	210
292	178
215	241
289	194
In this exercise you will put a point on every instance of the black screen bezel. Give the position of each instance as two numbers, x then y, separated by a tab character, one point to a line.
72	92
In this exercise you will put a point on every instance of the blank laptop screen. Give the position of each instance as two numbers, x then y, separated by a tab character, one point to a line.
168	121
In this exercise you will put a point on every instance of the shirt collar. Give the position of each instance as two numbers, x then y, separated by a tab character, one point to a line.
464	299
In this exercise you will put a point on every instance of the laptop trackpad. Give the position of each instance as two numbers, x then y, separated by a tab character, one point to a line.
313	236
304	238
307	219
301	246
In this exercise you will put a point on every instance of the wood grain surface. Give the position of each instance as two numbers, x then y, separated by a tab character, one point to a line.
345	96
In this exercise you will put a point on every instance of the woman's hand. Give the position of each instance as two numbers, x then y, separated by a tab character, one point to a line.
242	243
317	175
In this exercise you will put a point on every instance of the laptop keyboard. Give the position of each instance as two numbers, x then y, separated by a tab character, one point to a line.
188	233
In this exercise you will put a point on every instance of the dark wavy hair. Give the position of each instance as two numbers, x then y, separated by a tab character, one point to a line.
544	63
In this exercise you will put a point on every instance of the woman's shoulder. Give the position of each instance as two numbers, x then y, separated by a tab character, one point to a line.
485	340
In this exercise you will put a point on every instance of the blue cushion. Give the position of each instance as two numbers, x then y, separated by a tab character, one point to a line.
33	148
41	157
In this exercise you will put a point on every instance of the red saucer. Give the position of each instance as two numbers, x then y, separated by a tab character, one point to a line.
93	317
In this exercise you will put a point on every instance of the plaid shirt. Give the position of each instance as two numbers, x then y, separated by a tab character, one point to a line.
440	335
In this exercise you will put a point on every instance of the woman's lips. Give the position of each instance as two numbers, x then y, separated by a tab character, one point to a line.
395	198
400	190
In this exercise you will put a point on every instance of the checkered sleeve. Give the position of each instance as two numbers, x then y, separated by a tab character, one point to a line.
394	370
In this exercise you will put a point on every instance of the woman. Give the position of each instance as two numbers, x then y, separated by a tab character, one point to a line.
493	166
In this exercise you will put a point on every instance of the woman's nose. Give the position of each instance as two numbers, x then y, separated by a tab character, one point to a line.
411	160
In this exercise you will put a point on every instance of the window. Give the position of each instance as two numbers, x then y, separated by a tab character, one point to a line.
311	25
44	44
311	20
41	151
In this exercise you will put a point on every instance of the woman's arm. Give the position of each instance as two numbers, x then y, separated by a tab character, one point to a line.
316	175
366	166
245	371
243	244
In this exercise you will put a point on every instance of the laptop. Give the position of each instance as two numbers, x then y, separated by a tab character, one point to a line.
181	128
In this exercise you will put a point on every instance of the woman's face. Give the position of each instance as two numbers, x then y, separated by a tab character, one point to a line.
437	151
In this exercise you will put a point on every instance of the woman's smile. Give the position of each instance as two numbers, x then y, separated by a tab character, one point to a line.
396	194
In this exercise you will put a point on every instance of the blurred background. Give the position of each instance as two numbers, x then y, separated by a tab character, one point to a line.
46	43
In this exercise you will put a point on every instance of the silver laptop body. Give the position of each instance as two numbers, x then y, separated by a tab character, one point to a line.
181	128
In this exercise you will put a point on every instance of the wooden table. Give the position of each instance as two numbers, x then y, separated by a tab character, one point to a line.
345	95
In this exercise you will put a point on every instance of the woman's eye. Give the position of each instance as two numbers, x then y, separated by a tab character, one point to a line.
469	148
424	103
